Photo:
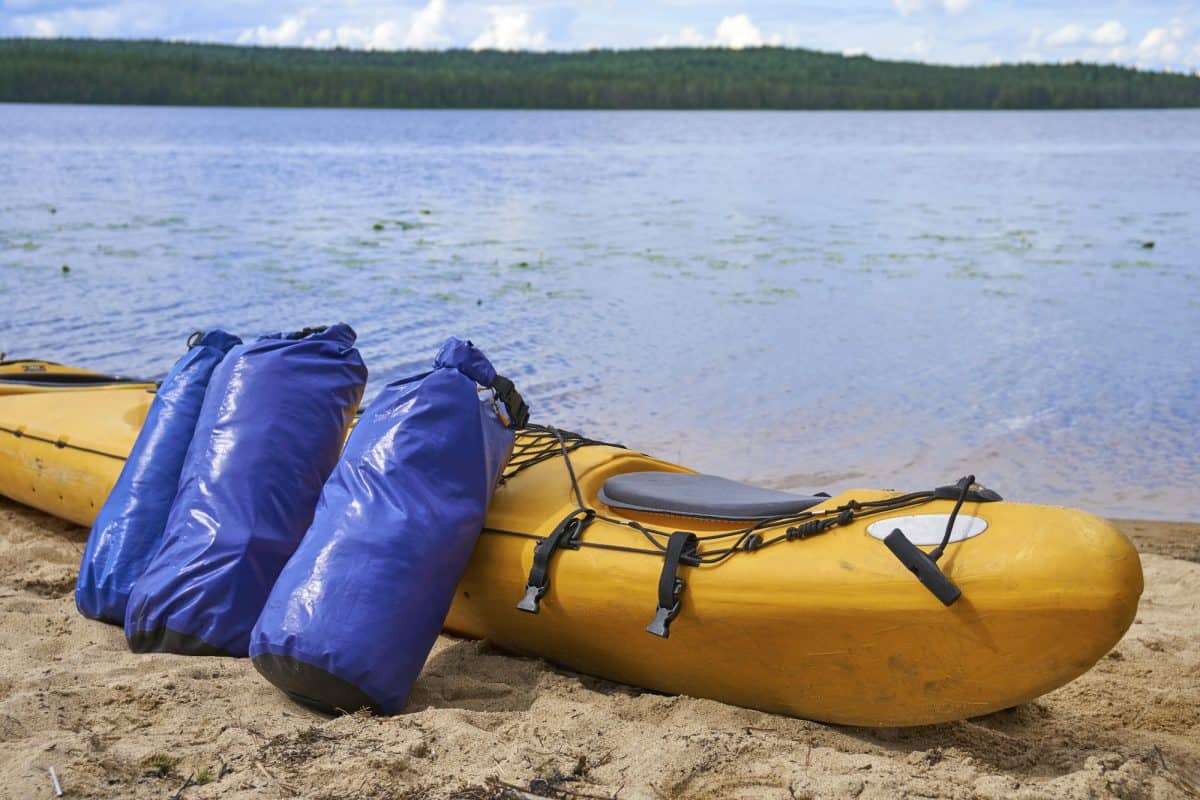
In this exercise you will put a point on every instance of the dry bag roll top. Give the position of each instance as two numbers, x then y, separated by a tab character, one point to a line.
356	610
130	524
269	432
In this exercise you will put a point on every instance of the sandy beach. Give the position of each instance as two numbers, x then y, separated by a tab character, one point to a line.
482	724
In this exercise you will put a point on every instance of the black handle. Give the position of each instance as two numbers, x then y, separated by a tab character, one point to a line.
921	565
507	393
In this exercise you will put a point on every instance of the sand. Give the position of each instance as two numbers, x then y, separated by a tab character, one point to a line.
114	724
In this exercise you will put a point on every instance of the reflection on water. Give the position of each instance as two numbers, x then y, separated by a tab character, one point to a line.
809	300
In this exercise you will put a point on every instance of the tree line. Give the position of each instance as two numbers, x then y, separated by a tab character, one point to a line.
174	73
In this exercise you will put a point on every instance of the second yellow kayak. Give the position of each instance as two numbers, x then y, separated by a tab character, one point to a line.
26	376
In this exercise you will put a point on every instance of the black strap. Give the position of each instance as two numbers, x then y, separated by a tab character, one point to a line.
507	393
565	535
681	548
974	492
964	489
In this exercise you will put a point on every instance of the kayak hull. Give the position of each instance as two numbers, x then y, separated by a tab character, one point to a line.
61	452
831	628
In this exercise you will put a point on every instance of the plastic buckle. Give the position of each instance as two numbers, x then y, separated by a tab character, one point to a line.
663	617
529	603
564	537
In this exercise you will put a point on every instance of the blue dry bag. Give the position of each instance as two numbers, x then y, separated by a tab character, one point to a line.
269	433
356	610
131	521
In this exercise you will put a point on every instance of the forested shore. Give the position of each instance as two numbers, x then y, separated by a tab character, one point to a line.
175	73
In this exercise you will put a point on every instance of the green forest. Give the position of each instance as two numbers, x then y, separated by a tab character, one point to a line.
170	73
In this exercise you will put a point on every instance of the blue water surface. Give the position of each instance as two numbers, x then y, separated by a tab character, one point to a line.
806	300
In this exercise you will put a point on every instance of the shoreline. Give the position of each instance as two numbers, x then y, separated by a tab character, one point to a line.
117	724
1173	539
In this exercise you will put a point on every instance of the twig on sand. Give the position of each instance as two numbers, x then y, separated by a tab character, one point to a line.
58	790
275	780
225	768
657	792
179	793
1178	781
518	791
1183	785
527	795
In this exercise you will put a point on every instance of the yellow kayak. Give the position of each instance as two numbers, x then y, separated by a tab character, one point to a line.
26	376
644	572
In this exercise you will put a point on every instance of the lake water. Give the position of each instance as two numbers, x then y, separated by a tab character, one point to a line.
807	300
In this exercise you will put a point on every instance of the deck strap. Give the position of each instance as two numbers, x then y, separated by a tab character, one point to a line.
564	536
681	549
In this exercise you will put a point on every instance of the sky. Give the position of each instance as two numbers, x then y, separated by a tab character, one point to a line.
1153	34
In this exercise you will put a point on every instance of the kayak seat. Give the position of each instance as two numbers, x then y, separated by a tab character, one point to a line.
705	496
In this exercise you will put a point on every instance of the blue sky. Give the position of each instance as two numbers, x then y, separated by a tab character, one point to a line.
1155	34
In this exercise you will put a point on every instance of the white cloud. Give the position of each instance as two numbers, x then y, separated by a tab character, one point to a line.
288	32
739	31
920	48
1162	45
1110	33
341	36
426	30
98	22
423	31
1119	53
1106	35
509	30
1110	41
688	37
41	28
735	32
854	52
386	35
1066	35
907	8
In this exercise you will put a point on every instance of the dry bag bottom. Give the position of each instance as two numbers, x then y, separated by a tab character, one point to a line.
165	640
312	686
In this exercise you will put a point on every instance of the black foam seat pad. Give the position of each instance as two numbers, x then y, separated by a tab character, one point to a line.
703	496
